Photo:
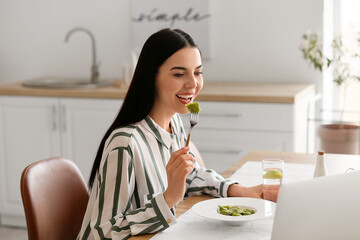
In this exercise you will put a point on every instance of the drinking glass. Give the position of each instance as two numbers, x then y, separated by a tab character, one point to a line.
272	177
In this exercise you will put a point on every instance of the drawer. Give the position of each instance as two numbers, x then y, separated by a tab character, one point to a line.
241	141
244	116
221	149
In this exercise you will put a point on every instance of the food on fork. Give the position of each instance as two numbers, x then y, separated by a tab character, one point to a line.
194	110
193	107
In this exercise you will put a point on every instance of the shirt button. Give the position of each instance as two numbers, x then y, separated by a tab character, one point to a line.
168	221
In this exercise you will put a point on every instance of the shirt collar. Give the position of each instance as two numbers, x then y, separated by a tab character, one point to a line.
163	136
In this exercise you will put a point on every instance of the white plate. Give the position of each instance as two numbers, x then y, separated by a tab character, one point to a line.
208	209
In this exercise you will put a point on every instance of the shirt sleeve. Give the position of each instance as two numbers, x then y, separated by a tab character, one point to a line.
116	214
206	181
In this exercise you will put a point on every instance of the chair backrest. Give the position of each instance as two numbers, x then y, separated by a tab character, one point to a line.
55	198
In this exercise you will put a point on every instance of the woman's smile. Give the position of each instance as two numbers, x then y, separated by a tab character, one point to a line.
185	99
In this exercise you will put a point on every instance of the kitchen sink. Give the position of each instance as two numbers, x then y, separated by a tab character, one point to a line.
65	83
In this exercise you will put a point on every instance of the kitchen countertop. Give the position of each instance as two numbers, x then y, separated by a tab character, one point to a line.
212	91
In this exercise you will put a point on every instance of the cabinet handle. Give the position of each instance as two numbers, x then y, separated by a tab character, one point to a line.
63	118
229	115
221	151
53	111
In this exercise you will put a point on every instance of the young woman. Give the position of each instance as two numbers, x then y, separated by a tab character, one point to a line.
142	169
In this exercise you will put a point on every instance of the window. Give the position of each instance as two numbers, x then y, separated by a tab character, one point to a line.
341	17
349	24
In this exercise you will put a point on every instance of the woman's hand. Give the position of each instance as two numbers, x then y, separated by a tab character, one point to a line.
178	167
271	192
236	190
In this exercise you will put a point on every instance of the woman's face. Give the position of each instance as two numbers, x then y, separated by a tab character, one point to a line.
178	81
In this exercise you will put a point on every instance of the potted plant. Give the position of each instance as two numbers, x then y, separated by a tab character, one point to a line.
338	137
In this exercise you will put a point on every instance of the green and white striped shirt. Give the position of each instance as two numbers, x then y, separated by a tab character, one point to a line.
127	196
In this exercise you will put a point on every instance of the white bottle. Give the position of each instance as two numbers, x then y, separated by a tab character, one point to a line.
320	167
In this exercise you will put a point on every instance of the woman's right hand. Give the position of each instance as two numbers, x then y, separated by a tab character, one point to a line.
181	163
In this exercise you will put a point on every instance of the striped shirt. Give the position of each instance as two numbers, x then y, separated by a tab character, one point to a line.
127	195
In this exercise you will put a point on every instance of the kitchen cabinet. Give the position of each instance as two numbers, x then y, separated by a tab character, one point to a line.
34	128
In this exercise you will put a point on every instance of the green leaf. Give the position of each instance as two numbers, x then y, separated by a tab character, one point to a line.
329	61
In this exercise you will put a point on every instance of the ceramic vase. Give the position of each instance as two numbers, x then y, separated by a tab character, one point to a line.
339	138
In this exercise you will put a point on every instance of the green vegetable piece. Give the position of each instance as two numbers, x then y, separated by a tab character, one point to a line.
193	107
234	210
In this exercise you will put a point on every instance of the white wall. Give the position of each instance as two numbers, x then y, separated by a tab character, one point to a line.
251	40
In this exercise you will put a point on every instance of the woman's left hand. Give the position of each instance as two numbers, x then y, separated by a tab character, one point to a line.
236	190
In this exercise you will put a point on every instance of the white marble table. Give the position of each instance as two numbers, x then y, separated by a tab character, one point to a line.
190	226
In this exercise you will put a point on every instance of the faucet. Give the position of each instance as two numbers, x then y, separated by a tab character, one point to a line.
95	67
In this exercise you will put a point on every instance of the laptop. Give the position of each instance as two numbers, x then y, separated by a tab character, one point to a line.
321	208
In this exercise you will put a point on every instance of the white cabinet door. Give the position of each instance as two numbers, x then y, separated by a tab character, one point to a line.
29	132
83	124
35	128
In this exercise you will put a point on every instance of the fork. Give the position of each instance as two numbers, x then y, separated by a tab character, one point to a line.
194	118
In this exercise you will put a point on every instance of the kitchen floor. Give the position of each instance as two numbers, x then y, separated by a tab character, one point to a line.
12	233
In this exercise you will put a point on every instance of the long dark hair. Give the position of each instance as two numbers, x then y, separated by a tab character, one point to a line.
140	97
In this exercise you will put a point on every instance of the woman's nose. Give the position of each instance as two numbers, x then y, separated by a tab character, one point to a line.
191	82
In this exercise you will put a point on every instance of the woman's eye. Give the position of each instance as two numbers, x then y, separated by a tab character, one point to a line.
198	73
178	74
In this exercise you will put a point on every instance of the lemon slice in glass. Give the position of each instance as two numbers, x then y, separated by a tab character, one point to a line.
273	174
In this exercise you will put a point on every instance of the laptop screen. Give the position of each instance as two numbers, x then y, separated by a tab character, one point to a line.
321	208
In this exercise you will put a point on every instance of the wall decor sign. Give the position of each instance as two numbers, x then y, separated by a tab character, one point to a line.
149	16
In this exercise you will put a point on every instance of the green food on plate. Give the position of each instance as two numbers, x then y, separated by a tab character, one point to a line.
234	210
193	107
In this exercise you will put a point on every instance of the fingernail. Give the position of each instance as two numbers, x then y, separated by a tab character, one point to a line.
187	148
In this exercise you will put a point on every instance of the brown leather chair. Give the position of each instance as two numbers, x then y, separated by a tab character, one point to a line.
55	198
